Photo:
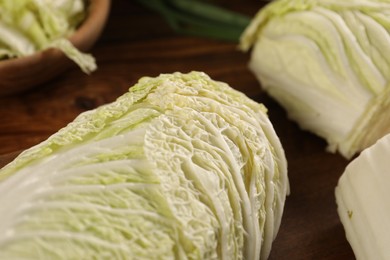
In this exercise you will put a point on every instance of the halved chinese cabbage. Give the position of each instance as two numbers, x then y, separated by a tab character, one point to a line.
180	167
327	63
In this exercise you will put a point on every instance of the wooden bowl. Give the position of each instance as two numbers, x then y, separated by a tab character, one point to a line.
19	74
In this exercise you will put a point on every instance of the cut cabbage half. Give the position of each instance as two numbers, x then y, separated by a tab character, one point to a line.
327	63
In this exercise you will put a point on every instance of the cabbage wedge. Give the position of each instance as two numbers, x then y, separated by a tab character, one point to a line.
180	167
327	63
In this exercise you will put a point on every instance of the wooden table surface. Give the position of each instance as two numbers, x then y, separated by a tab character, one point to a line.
137	42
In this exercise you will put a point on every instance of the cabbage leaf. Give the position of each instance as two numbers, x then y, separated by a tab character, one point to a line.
29	26
362	196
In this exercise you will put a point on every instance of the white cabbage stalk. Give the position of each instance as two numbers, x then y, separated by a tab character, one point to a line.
180	167
327	63
29	26
362	196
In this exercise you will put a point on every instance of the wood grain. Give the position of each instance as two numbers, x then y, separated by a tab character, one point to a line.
136	42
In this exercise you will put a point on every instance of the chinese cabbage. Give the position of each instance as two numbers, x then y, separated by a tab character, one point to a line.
326	62
362	198
180	167
29	26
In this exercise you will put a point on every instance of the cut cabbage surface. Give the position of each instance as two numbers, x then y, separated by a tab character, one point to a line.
362	197
327	63
180	167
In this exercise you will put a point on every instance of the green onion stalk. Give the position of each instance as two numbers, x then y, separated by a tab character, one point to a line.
199	18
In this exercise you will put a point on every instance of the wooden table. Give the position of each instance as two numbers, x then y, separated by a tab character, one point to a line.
137	42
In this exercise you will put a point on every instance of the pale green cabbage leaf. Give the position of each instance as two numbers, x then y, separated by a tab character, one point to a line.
362	197
29	26
180	167
327	63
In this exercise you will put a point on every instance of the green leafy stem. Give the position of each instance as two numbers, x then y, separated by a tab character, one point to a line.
197	18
